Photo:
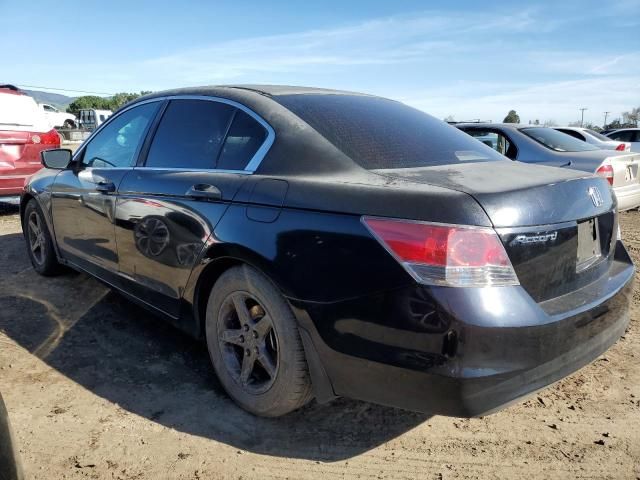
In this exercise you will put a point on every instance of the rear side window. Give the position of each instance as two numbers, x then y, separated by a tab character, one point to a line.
597	135
378	133
190	135
556	140
243	141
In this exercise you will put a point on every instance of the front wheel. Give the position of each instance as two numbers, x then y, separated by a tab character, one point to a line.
254	344
39	242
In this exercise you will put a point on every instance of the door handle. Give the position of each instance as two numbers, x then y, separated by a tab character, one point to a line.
204	191
105	186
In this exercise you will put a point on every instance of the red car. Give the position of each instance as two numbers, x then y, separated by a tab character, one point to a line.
24	133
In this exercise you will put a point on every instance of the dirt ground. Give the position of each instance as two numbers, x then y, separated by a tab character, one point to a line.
98	388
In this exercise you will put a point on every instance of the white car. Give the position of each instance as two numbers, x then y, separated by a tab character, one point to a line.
629	135
56	118
595	138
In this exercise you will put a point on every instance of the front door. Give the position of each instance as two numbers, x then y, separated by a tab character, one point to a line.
84	196
168	207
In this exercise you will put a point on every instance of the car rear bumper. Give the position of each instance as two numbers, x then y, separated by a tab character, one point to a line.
628	197
464	351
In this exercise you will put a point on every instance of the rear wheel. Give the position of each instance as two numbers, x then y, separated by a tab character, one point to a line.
39	242
254	344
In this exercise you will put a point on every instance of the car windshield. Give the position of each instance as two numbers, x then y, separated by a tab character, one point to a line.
557	141
599	136
377	133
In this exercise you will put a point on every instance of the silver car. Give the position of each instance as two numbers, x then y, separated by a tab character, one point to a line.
594	138
631	135
546	146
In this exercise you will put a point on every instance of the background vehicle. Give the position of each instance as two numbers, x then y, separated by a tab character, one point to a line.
10	468
319	240
546	146
56	118
630	135
91	119
594	138
24	133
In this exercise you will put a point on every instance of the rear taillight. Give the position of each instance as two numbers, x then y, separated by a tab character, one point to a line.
606	171
621	148
49	138
449	255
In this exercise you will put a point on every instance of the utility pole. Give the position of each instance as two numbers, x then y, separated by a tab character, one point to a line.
582	116
606	114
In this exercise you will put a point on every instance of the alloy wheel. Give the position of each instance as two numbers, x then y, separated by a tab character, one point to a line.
36	237
248	342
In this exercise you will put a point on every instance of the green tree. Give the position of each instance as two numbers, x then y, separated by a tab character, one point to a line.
103	103
512	117
88	101
120	99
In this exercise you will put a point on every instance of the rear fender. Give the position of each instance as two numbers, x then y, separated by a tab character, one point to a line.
215	259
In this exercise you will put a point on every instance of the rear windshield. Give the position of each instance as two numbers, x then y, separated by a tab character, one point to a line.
557	141
378	133
599	136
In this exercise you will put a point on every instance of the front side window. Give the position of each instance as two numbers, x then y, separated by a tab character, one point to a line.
190	135
557	141
115	146
244	139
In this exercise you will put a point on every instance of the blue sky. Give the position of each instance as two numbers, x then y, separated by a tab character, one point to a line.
462	58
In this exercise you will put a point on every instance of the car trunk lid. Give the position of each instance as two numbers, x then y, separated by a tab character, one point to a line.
558	226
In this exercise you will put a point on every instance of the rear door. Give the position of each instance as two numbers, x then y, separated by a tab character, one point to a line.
83	196
197	160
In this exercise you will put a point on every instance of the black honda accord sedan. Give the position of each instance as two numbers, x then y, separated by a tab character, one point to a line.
328	243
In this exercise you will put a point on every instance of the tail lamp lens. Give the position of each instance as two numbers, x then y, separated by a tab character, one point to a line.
49	138
606	171
448	255
621	147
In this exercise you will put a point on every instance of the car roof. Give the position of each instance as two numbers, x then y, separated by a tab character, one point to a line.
513	126
239	91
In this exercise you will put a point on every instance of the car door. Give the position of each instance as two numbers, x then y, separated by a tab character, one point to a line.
83	196
194	164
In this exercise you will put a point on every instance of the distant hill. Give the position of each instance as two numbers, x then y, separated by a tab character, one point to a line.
57	100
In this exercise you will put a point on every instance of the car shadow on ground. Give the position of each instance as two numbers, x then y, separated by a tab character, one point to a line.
132	358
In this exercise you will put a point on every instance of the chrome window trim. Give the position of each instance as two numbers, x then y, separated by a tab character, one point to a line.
251	166
203	170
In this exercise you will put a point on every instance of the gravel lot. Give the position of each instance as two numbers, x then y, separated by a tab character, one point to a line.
98	388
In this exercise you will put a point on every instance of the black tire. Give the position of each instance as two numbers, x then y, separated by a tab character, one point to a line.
269	331
69	124
43	256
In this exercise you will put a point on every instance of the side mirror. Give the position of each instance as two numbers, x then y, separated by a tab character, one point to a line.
58	158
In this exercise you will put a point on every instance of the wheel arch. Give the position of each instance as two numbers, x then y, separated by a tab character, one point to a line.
217	259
